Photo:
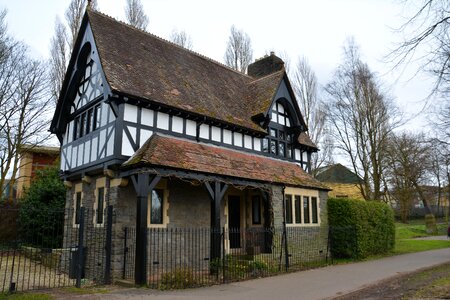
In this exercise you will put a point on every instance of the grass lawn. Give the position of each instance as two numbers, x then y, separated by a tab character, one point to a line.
406	233
411	231
410	246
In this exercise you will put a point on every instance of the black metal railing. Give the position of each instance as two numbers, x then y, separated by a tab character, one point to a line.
46	249
181	257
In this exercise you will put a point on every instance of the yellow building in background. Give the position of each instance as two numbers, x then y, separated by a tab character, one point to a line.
343	182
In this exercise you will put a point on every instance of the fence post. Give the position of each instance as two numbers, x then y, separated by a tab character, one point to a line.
125	251
12	284
223	255
108	245
329	245
80	264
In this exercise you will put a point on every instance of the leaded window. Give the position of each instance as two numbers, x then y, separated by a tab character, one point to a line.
280	138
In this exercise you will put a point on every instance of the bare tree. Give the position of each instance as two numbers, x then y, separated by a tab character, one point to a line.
304	82
59	56
410	162
362	117
239	52
427	31
74	16
24	102
62	43
181	38
135	14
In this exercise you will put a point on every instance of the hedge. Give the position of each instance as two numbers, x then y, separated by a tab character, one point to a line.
360	228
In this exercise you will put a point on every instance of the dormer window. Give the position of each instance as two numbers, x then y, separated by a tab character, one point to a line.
280	115
279	141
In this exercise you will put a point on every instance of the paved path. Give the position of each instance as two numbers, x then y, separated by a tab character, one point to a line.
323	283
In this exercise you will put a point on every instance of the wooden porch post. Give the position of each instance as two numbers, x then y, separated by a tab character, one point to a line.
216	192
143	186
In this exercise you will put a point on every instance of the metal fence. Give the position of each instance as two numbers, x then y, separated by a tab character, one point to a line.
182	257
46	248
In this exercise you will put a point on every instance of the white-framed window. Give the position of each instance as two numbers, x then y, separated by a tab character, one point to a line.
158	206
301	207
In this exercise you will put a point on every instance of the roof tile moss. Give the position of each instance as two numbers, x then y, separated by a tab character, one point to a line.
174	153
142	65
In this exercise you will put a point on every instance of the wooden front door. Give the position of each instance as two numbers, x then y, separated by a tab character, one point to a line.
234	221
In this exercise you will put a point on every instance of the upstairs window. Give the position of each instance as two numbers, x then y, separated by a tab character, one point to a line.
279	141
87	122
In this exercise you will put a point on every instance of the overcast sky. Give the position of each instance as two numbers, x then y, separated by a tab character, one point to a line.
315	29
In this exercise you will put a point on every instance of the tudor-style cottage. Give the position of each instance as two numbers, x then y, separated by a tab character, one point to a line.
173	139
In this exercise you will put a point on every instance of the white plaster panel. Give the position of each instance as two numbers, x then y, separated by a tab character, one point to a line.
74	157
204	131
94	149
63	160
191	127
145	135
238	139
102	140
132	131
80	155
257	144
110	147
177	124
69	155
87	148
247	141
305	156
297	154
130	113
163	121
147	117
104	114
127	149
227	136
215	134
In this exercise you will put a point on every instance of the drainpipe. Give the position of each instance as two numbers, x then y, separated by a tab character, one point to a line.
286	256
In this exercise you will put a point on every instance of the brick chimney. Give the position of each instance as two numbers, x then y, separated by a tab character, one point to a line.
264	66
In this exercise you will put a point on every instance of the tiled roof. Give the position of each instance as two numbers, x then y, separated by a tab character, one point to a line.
305	140
29	148
174	153
142	65
337	173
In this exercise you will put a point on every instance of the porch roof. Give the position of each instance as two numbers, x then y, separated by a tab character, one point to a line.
179	154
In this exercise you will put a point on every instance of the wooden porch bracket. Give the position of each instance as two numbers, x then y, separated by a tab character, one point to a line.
216	192
143	185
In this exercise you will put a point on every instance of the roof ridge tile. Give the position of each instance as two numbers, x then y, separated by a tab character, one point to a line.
171	43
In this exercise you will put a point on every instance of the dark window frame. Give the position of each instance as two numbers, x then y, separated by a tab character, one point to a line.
314	210
280	139
288	208
100	205
256	210
306	205
298	209
78	205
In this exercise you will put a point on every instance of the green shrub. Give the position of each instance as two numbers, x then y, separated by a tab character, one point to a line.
178	279
360	228
42	210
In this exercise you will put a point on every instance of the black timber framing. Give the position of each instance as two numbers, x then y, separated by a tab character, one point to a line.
143	184
193	175
216	191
